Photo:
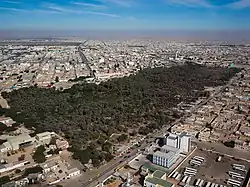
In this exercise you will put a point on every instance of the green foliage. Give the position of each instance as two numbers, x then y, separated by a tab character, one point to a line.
57	79
88	112
4	180
36	169
122	137
230	144
18	171
81	78
107	147
3	127
39	156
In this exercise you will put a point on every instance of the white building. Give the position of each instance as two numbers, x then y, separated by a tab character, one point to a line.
166	157
181	141
44	137
14	143
73	172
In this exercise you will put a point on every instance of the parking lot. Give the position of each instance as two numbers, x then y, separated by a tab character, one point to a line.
214	168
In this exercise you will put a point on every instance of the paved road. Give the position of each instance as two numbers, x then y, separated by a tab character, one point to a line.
85	61
110	167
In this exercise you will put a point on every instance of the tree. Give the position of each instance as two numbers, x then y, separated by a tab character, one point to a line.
85	112
39	156
18	171
57	79
22	157
230	144
4	180
122	138
3	127
36	169
107	147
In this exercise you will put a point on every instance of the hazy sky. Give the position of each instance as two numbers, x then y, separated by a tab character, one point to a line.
125	14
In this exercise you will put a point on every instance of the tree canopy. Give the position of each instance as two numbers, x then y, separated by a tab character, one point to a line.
89	112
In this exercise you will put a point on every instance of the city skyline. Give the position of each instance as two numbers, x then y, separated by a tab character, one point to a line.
124	15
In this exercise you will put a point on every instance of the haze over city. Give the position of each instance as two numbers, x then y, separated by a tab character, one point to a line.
170	18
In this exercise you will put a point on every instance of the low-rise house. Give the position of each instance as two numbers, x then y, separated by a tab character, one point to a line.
73	172
49	166
20	183
157	179
62	144
12	166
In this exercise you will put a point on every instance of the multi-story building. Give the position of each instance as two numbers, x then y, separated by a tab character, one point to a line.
181	141
166	157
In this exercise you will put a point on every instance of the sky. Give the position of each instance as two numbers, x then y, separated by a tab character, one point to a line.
124	14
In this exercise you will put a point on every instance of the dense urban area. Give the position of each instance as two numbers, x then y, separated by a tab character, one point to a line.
124	113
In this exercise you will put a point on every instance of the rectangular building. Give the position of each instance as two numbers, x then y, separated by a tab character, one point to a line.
166	157
181	141
17	142
157	179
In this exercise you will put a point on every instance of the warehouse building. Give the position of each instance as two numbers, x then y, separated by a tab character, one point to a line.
16	142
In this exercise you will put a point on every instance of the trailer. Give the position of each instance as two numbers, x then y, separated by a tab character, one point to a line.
208	184
234	173
233	183
190	172
195	162
201	159
197	182
201	183
240	169
172	175
187	168
184	179
239	165
238	177
189	180
175	174
232	180
178	177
